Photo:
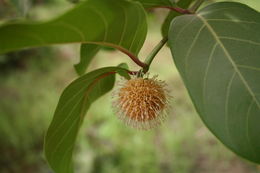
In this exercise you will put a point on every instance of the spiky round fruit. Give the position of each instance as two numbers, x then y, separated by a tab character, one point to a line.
141	102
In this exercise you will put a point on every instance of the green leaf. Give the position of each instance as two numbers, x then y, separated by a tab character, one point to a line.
101	22
69	114
124	71
87	53
217	54
124	66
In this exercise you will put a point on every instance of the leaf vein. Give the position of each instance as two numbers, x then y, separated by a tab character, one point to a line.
124	28
247	126
248	67
74	28
232	20
214	34
241	40
191	47
218	9
206	71
183	28
130	48
227	105
64	137
104	21
62	123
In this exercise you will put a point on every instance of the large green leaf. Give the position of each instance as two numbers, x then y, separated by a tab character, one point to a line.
217	53
105	22
72	107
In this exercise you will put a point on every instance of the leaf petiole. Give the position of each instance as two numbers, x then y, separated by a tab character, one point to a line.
153	53
177	9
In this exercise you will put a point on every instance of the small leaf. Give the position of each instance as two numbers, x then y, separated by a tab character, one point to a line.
217	54
103	22
69	114
123	65
87	53
124	72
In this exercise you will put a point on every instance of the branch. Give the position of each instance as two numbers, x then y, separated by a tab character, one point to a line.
177	9
153	53
125	51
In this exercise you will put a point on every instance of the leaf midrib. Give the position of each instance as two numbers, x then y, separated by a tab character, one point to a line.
214	34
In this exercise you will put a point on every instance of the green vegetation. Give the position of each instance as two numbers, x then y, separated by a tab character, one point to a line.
29	92
216	68
30	95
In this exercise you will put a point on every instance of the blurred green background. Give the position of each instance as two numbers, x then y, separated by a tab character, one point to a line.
31	82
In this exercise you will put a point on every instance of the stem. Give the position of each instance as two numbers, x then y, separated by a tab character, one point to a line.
153	53
132	72
129	54
196	5
134	58
177	9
